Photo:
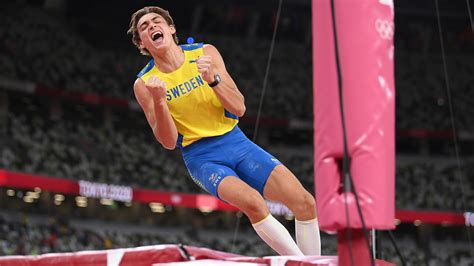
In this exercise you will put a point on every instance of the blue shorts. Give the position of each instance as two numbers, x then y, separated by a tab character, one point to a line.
210	160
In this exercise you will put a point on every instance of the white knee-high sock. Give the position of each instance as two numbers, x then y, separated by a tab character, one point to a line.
276	236
307	237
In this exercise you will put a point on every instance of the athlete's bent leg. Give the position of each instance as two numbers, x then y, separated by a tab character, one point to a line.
282	186
236	192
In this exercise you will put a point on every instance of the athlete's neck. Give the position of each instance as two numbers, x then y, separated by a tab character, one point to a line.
170	60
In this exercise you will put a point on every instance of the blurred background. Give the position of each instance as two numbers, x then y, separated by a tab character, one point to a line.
67	113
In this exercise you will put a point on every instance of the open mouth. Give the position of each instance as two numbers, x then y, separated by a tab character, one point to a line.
157	36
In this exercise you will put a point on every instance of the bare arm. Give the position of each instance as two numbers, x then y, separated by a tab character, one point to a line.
152	98
227	92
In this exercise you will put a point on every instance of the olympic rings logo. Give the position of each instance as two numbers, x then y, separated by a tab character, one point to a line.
385	28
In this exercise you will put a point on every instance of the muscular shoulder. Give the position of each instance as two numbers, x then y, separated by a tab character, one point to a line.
217	59
139	84
210	49
141	93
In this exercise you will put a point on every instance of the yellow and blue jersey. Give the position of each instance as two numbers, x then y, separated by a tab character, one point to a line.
194	106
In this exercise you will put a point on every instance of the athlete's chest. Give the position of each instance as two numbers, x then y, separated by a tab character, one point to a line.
190	95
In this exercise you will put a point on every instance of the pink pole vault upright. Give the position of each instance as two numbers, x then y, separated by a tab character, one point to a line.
365	31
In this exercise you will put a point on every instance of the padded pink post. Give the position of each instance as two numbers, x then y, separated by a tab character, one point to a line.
365	38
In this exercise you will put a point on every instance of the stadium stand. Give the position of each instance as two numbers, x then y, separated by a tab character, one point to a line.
108	144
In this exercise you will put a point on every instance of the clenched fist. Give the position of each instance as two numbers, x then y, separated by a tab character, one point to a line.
156	87
204	65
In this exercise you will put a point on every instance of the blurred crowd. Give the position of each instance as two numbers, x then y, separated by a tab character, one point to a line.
33	238
422	92
82	143
114	146
45	50
435	185
47	136
25	237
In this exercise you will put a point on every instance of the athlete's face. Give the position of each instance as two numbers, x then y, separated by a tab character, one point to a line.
155	33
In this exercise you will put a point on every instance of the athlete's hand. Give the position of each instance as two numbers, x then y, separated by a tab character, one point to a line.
204	65
156	87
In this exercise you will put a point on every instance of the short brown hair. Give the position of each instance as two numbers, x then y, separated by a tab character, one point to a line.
140	13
